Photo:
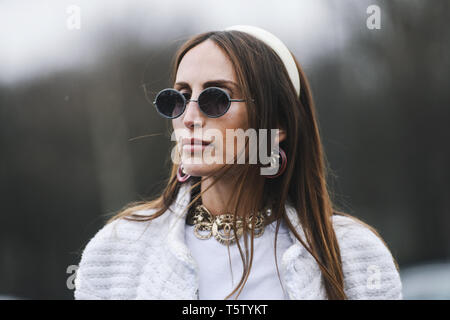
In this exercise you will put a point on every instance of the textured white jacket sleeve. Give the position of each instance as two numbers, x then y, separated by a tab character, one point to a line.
368	265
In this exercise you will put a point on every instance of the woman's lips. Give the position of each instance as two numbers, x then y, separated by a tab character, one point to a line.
192	145
196	147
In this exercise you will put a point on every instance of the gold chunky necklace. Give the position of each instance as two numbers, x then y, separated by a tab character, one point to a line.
207	225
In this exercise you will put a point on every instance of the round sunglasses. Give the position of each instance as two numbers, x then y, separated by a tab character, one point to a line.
213	102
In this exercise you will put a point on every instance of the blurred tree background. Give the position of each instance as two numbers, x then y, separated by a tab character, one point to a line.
69	135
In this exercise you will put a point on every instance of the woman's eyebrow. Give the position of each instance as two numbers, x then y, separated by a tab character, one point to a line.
210	83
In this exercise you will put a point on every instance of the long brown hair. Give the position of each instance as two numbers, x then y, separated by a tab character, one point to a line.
262	76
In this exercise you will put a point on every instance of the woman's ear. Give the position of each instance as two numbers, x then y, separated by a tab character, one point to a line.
281	135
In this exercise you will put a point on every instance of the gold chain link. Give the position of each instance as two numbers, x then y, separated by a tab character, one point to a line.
207	225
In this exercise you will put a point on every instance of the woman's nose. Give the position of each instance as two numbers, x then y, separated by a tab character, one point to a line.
193	115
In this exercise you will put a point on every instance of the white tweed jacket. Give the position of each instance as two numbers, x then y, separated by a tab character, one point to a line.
150	260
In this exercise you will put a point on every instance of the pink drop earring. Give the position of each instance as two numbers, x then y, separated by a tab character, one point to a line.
283	165
180	172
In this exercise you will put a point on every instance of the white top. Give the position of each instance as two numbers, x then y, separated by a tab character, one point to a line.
217	278
150	260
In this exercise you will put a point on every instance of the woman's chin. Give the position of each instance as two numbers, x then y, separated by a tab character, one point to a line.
200	170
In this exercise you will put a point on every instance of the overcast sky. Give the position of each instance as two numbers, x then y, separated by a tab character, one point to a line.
34	37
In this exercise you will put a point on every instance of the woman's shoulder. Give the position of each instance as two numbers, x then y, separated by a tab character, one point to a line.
370	271
128	231
114	251
358	236
126	228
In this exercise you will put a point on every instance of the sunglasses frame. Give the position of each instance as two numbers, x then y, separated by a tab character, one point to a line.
186	101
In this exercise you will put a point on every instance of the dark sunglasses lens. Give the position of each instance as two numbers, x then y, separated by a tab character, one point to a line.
170	103
213	102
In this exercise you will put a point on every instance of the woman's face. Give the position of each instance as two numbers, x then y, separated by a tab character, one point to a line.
201	67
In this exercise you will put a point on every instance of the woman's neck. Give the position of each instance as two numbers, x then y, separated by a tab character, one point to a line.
217	197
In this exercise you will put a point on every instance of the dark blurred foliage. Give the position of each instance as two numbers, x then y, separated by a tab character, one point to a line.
68	159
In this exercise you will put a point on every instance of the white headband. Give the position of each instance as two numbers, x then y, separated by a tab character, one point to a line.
278	46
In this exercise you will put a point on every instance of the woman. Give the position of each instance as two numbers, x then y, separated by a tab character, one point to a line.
227	230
